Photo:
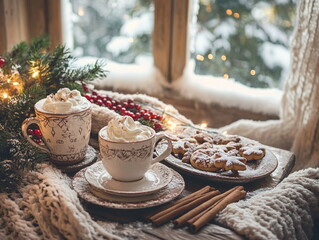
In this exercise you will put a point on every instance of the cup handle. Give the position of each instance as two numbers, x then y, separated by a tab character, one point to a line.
168	150
26	123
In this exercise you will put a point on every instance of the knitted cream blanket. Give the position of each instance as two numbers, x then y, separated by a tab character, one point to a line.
285	212
46	208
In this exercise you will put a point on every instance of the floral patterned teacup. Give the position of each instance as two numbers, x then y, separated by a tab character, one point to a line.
129	161
65	136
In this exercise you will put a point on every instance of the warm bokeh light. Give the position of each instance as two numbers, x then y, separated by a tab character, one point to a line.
229	12
5	95
200	57
170	125
209	8
210	56
15	83
252	72
223	57
226	76
35	74
236	15
203	125
81	12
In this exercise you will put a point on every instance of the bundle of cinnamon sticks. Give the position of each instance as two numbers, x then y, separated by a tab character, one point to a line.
198	208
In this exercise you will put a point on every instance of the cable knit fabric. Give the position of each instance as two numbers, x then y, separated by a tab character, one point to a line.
47	208
285	212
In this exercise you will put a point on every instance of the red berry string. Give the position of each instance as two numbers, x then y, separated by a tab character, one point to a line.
35	134
85	87
2	62
127	108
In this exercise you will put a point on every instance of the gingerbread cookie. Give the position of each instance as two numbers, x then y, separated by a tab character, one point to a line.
187	155
223	140
203	137
226	162
180	146
252	152
233	152
205	146
233	145
215	152
202	159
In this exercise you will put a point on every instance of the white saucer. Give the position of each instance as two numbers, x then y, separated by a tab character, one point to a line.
166	194
156	178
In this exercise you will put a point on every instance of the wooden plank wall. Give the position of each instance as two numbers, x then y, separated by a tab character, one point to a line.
36	10
13	28
54	22
23	20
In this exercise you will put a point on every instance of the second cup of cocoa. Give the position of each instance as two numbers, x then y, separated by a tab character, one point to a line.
127	148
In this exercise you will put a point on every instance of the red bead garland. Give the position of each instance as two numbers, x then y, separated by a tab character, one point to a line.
2	62
126	108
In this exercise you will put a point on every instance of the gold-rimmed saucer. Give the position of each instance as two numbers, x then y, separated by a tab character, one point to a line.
173	189
156	178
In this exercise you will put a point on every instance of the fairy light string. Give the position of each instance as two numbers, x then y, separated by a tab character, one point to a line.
171	125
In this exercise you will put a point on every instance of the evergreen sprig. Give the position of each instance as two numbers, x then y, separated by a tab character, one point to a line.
55	70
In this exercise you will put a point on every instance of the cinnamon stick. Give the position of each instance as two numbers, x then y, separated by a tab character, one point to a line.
205	218
201	208
174	212
194	219
181	202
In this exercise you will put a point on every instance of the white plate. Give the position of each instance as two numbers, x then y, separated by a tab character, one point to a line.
166	194
156	178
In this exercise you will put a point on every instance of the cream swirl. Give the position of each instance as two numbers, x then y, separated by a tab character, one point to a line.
65	101
125	129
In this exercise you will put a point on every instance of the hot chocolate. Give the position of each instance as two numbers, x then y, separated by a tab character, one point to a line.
64	101
125	129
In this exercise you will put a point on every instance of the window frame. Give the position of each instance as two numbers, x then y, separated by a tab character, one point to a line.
170	37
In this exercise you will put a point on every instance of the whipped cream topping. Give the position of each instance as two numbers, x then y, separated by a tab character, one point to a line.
125	129
65	101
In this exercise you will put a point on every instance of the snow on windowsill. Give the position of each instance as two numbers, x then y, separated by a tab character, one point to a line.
228	93
207	89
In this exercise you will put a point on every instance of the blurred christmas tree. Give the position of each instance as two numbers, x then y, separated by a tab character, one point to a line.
244	40
122	29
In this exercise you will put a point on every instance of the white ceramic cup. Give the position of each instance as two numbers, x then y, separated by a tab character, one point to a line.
129	161
65	136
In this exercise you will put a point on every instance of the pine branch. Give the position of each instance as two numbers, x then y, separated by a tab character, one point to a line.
86	73
17	156
39	44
